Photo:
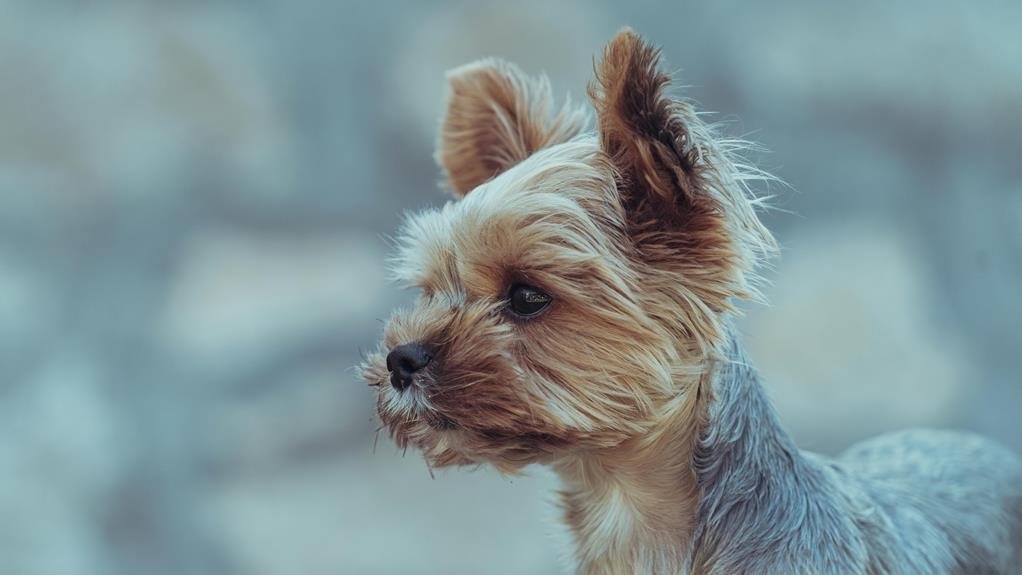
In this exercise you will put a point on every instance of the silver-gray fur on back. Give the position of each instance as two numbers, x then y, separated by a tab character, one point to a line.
921	501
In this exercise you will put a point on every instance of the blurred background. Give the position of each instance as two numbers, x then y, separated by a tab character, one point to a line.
193	200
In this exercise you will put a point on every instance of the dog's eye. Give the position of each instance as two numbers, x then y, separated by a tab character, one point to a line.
527	301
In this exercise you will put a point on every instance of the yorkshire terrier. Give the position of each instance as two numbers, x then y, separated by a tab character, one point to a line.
575	312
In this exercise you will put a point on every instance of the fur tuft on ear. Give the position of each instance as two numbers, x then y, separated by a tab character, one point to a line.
496	117
689	211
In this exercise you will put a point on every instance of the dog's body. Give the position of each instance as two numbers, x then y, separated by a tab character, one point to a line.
575	312
920	501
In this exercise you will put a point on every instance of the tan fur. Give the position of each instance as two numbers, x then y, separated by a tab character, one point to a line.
632	507
642	235
496	117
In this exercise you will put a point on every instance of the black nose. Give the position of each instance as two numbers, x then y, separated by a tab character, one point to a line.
404	360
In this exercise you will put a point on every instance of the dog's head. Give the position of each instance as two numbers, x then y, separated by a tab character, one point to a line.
577	281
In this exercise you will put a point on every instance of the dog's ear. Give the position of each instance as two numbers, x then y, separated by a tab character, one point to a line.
687	206
647	134
496	117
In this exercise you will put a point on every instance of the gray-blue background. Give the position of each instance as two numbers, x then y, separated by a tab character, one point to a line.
192	199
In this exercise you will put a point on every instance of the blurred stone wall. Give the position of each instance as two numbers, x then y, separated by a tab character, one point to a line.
194	201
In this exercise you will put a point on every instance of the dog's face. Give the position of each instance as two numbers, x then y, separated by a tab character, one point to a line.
577	282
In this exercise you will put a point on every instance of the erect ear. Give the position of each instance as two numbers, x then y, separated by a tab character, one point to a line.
687	206
496	117
647	134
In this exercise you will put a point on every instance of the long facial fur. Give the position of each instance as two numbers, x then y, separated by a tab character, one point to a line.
642	233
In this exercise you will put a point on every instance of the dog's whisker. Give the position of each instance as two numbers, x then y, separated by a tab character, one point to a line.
376	437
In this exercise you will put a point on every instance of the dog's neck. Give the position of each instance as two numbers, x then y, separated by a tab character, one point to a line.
651	504
632	508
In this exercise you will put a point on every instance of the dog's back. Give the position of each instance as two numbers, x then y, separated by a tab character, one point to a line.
913	502
948	499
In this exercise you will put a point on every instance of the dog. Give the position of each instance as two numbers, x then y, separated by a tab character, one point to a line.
575	311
